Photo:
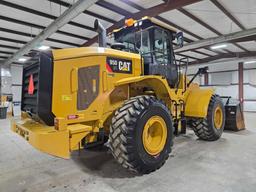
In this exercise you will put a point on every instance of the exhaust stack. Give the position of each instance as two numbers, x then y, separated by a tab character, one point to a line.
102	37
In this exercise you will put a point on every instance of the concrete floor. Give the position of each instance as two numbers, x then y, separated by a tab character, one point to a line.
227	165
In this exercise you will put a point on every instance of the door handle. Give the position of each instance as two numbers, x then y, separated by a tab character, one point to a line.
74	80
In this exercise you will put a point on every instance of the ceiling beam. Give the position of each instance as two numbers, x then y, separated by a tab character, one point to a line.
32	36
18	41
66	17
249	38
41	27
202	53
224	55
43	14
179	28
177	49
9	47
207	26
12	40
190	57
114	8
93	14
6	52
196	19
217	40
3	57
185	31
228	14
132	4
232	18
241	47
151	12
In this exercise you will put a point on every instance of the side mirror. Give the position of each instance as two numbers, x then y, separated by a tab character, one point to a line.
180	39
118	46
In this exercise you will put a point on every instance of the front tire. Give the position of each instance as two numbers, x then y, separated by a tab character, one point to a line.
211	127
141	134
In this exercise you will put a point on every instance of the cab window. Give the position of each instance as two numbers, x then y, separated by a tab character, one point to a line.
161	46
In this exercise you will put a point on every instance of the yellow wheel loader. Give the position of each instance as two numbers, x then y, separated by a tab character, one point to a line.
132	95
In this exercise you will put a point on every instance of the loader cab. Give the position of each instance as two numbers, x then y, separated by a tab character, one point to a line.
155	45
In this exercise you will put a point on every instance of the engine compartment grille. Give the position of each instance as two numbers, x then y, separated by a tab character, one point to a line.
37	88
29	101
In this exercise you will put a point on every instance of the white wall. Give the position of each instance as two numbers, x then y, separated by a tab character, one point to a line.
6	81
226	83
16	72
252	77
221	78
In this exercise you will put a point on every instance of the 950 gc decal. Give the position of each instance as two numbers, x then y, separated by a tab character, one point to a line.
116	65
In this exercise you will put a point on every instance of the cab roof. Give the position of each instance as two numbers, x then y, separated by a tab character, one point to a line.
149	21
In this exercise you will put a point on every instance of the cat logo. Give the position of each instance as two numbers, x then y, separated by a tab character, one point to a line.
117	65
124	66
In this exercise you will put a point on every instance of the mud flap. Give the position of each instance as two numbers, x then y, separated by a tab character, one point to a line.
234	115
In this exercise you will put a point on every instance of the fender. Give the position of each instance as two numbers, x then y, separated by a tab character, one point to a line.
197	102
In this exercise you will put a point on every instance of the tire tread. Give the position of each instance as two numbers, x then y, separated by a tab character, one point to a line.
202	127
120	137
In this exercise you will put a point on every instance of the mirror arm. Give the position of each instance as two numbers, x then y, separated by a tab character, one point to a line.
200	71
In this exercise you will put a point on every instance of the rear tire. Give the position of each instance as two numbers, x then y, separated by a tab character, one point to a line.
127	134
209	129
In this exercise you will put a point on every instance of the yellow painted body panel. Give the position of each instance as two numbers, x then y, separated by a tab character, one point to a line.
64	101
194	107
49	140
197	102
71	53
159	84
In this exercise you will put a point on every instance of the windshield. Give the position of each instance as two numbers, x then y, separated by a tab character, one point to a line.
135	42
149	42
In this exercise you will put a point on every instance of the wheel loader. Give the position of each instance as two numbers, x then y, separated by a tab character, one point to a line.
130	93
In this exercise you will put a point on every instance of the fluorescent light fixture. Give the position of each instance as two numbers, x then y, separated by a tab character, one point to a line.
22	59
43	47
219	46
249	62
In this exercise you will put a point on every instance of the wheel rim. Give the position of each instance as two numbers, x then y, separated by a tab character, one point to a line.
218	117
154	135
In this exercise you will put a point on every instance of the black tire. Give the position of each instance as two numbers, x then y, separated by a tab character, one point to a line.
205	128
126	134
